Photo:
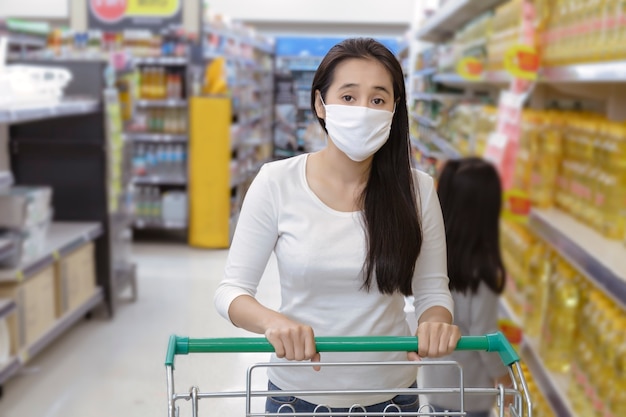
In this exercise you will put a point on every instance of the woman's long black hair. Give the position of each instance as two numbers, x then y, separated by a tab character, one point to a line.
391	217
470	194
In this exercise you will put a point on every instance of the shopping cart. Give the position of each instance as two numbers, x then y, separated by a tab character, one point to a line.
515	399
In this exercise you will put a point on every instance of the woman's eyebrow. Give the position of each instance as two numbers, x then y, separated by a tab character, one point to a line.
381	88
352	85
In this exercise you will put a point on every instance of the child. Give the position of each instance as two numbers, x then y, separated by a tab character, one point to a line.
470	194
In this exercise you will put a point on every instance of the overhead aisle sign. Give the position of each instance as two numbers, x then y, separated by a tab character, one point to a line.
118	15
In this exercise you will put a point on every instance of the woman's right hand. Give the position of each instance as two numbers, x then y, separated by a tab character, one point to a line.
293	341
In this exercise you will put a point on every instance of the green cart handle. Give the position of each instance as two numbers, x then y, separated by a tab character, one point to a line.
494	342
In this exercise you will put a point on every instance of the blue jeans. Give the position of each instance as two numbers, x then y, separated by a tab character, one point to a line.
467	413
405	402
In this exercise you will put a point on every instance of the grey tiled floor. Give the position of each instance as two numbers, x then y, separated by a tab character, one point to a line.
105	368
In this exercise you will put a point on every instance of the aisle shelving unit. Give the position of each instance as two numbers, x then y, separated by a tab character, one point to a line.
156	137
599	259
165	103
70	106
77	152
169	140
62	238
227	149
451	16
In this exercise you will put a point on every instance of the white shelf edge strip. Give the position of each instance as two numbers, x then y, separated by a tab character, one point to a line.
585	249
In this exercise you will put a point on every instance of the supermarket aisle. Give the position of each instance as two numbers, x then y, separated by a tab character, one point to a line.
107	368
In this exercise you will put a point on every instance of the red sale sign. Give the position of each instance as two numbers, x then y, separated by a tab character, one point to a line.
109	10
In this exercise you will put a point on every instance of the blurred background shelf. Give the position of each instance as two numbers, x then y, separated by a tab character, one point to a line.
448	19
601	260
155	137
7	307
6	179
172	103
66	107
62	238
61	325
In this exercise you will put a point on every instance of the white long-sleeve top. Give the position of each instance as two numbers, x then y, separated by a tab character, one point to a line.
475	314
320	254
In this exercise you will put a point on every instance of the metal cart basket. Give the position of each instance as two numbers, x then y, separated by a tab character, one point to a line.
513	401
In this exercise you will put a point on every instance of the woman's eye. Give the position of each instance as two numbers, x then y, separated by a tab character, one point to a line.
378	101
347	98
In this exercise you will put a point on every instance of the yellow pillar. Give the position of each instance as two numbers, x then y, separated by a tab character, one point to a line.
209	172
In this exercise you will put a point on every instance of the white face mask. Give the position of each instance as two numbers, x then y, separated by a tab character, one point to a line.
357	131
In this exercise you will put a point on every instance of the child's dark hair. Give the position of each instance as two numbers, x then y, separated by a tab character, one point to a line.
470	193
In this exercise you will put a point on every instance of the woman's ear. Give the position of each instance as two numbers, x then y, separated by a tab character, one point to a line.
319	107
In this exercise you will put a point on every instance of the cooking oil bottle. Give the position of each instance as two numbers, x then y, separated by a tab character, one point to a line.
559	329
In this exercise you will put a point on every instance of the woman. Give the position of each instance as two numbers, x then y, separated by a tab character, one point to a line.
471	200
354	230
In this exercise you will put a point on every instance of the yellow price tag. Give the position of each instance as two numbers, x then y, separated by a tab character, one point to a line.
19	275
522	61
517	206
470	68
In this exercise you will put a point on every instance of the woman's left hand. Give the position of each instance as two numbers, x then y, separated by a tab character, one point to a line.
435	339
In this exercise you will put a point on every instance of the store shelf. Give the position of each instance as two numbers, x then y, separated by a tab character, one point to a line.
154	137
26	40
161	103
6	249
159	180
492	78
601	260
60	326
452	16
424	72
62	238
425	150
6	179
441	97
444	146
9	369
159	225
66	107
602	72
552	385
161	60
7	306
424	121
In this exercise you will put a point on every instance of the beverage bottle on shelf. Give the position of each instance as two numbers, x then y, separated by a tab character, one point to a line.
155	200
559	327
147	83
171	161
161	167
162	84
536	293
142	204
151	160
617	404
139	161
180	166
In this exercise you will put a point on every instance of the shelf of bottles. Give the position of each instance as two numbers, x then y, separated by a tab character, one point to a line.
158	132
451	16
249	69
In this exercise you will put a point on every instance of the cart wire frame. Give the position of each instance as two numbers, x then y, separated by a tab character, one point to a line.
495	342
